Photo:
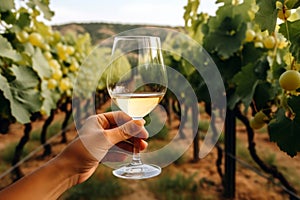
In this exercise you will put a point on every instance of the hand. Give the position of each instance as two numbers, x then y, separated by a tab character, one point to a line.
98	140
81	157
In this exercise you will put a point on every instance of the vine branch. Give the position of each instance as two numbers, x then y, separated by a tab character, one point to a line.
251	146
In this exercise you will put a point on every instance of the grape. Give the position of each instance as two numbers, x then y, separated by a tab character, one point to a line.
258	37
22	36
269	42
250	35
260	117
74	66
290	80
64	84
54	64
258	121
61	51
279	5
52	83
48	55
36	39
70	50
57	74
65	70
43	111
46	47
255	125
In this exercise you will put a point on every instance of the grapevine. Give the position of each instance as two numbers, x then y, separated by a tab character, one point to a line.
255	45
38	66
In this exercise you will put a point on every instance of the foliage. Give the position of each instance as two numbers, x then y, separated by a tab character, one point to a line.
37	64
252	47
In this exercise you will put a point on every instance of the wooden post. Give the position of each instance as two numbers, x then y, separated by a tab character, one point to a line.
230	148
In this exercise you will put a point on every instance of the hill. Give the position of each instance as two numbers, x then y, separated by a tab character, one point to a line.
100	31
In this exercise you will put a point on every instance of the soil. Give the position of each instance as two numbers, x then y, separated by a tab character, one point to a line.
249	184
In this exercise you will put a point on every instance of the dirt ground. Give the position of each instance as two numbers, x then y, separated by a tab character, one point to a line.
249	185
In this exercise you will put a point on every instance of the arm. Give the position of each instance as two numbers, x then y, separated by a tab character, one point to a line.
77	163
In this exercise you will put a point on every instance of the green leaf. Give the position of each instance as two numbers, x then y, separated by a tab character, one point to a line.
22	94
246	82
266	16
23	20
294	103
50	98
294	35
261	68
7	50
44	7
40	64
7	5
264	92
228	31
9	17
250	53
292	4
285	132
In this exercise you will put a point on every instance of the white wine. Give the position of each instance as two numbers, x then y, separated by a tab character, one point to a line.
137	105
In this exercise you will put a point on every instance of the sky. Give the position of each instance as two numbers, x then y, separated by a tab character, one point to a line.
154	12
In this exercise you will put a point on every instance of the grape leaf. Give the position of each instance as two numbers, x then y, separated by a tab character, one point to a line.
23	20
246	82
285	132
264	93
50	98
292	4
22	94
43	6
8	17
7	50
227	31
7	5
294	35
266	16
40	64
294	102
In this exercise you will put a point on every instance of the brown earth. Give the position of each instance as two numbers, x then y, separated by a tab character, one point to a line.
249	185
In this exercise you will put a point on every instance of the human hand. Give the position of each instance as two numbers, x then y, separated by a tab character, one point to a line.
98	140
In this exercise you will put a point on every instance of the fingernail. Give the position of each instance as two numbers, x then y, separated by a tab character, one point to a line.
138	122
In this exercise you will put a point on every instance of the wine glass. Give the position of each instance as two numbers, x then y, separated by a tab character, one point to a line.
136	82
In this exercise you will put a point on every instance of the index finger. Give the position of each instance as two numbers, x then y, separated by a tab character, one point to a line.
116	118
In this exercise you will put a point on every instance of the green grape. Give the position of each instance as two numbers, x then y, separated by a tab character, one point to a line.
57	74
258	37
52	83
22	36
54	64
258	121
290	80
256	125
250	35
70	50
36	39
64	84
74	66
48	55
62	51
269	42
46	47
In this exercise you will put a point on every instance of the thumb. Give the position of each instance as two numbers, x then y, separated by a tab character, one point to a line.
125	131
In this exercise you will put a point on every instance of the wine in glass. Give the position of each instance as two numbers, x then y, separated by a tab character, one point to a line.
136	82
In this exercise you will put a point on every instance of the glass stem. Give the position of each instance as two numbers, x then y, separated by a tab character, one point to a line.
136	158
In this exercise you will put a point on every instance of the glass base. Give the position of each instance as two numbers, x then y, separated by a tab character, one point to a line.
142	171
